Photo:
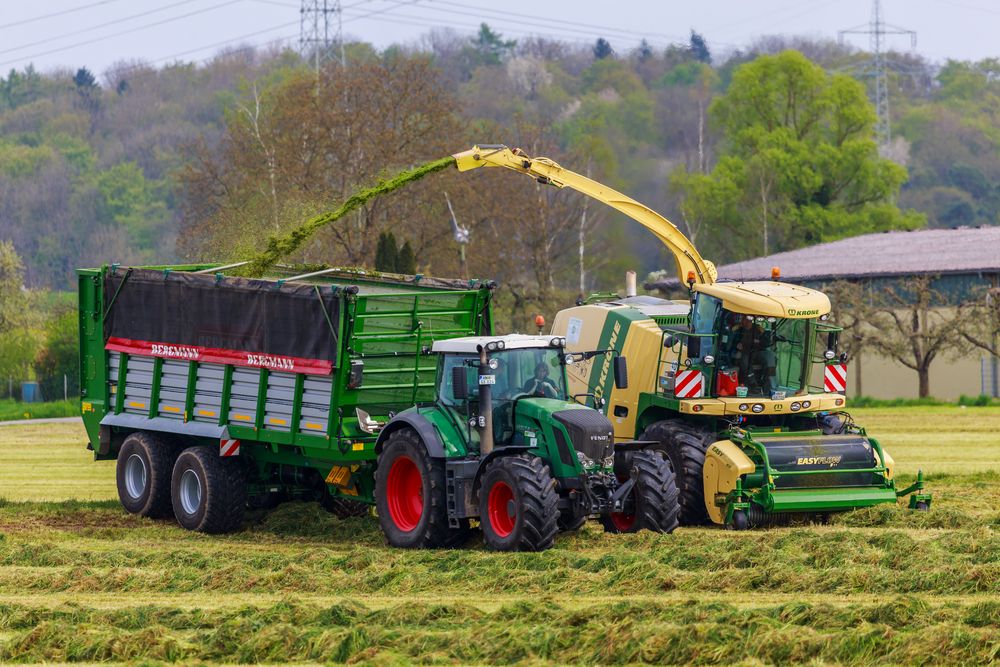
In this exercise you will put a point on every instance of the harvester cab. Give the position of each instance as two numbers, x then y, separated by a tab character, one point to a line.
722	381
506	444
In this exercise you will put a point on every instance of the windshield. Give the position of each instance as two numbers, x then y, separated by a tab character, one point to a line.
763	354
530	371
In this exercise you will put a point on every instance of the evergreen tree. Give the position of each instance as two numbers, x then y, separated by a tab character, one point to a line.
602	49
406	262
699	48
386	252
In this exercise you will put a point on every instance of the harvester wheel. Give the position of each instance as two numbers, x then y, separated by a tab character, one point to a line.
655	494
145	463
518	505
209	492
740	520
343	508
685	446
921	506
411	497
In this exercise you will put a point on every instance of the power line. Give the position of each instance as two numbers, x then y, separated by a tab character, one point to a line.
54	14
98	26
316	28
119	34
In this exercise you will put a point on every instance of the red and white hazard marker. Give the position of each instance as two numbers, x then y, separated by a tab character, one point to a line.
229	447
689	384
835	378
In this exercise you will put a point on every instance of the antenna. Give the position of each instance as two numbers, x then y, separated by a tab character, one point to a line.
877	30
319	32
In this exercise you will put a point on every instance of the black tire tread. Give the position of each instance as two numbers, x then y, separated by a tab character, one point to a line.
539	513
225	490
657	496
342	508
685	446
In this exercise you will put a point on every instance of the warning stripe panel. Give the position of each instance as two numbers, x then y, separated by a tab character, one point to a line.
229	447
835	377
689	384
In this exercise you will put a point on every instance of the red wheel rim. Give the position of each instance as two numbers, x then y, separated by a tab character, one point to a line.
500	506
404	494
622	521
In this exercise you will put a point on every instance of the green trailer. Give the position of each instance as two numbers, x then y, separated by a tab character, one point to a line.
217	393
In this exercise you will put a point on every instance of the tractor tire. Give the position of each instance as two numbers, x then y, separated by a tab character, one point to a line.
518	506
411	497
342	508
145	464
209	492
656	497
685	446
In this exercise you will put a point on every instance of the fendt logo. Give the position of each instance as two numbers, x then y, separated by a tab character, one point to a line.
818	460
273	363
793	311
174	351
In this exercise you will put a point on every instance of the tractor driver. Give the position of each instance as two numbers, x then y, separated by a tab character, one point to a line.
752	354
540	385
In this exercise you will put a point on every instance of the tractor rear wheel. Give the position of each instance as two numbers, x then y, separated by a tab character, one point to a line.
655	497
145	463
411	497
685	446
208	491
518	505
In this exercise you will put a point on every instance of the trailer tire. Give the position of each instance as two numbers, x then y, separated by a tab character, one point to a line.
411	497
145	464
685	446
657	506
209	492
518	506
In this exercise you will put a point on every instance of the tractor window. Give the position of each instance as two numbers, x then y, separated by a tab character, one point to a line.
445	388
704	314
763	354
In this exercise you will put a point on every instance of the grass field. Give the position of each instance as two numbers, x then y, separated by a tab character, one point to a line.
81	581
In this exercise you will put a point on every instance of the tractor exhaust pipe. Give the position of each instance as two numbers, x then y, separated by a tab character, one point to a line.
629	283
485	406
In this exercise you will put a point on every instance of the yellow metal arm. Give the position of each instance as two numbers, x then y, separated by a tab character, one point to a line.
689	262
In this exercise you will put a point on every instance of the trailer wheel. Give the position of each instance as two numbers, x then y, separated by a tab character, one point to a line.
685	446
145	463
209	492
410	495
518	505
655	494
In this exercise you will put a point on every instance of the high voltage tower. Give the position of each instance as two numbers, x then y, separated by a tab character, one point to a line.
878	30
321	33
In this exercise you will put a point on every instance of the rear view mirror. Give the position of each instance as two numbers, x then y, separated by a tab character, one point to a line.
621	373
831	340
669	341
459	383
694	347
356	374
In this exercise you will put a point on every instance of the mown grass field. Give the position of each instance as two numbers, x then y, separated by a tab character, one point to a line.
81	581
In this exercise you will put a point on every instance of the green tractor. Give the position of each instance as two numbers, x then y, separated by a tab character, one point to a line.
504	444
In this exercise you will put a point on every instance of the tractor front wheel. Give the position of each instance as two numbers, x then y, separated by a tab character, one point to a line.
655	504
410	495
518	505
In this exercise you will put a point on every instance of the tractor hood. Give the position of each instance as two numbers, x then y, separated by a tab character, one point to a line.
588	430
769	298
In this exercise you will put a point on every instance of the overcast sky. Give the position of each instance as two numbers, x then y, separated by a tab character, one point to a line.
97	33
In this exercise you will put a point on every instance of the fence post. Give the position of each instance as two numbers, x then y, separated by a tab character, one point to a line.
65	387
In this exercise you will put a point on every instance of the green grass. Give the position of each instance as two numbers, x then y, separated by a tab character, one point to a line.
81	581
11	410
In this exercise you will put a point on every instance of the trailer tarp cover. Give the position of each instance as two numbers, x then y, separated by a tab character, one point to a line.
241	314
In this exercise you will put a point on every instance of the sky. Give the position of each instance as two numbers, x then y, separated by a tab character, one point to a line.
55	34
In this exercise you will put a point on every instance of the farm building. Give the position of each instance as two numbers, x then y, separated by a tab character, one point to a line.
959	263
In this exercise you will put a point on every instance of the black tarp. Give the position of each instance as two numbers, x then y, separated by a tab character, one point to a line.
241	314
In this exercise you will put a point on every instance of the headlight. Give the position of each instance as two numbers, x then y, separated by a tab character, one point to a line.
557	342
829	354
824	317
806	404
795	406
493	363
744	407
501	345
709	359
757	408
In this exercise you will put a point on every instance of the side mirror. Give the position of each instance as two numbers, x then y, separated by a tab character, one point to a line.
831	340
694	347
621	373
356	374
459	383
669	341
